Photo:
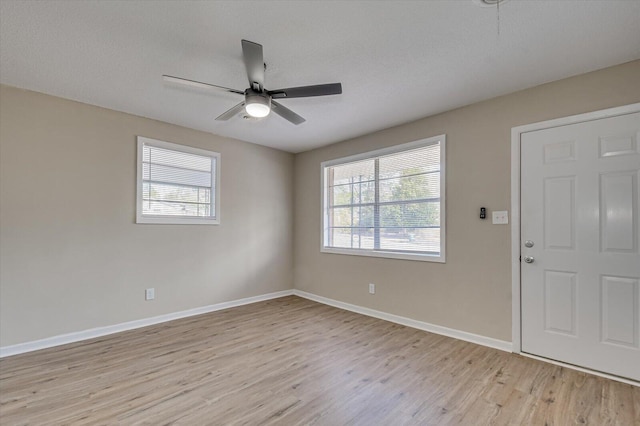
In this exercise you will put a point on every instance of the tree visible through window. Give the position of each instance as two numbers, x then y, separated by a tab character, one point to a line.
389	202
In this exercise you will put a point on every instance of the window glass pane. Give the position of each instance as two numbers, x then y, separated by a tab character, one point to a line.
145	190
357	193
363	238
420	160
421	240
412	187
356	238
204	210
342	195
171	174
341	216
351	216
169	208
364	192
165	192
359	171
364	216
340	237
156	155
410	215
204	195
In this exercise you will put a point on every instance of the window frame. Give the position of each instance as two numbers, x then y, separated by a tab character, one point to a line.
396	149
176	220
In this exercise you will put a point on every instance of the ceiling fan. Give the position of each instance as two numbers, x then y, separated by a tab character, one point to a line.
258	101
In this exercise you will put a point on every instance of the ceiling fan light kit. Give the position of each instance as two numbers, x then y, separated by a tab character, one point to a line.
258	101
257	104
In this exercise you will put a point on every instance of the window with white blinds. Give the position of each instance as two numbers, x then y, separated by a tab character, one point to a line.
387	203
177	184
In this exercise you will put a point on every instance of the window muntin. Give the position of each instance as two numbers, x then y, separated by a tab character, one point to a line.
177	184
387	203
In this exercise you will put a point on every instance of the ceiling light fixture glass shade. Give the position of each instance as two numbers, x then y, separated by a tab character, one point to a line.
258	105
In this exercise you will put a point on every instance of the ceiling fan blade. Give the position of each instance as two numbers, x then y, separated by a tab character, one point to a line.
254	62
307	91
193	83
286	113
231	113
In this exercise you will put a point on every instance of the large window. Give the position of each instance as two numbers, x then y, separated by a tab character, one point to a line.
177	184
387	203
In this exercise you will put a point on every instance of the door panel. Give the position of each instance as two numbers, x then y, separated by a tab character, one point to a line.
580	195
620	311
618	211
559	212
560	302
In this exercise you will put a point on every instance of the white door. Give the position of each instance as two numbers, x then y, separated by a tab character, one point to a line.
580	270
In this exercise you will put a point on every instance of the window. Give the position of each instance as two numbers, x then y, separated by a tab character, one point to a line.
387	203
177	184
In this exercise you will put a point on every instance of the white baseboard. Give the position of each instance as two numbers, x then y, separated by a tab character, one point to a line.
77	336
421	325
502	345
64	339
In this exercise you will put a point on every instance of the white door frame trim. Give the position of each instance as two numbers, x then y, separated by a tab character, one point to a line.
516	133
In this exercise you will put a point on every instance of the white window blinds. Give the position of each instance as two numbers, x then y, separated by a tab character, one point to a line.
390	202
176	181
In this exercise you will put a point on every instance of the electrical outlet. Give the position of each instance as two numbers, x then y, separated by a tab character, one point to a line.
500	218
150	294
372	288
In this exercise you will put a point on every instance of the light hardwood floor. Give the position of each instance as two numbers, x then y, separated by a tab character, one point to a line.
291	361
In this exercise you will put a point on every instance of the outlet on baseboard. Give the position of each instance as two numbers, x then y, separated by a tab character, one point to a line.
372	288
150	294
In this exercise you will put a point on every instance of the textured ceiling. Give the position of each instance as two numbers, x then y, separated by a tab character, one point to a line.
398	61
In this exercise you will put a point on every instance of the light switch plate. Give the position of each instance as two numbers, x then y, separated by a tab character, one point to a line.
500	218
150	294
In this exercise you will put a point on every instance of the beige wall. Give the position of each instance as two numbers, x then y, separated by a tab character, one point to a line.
72	257
472	291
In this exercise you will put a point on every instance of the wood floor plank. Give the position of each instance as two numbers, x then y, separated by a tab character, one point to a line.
291	361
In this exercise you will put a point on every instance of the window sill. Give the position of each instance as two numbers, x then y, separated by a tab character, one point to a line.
385	254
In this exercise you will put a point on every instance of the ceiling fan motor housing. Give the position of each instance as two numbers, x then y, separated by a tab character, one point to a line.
257	104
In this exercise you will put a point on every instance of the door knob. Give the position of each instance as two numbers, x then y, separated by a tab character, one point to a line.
529	259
